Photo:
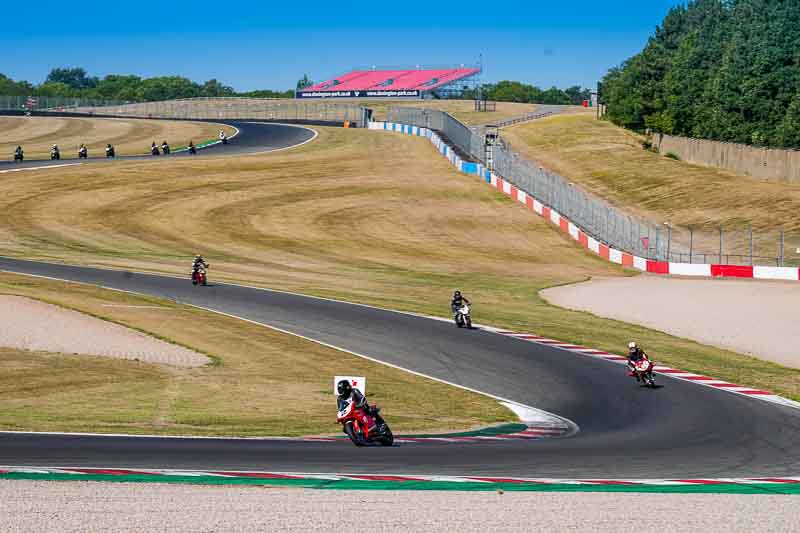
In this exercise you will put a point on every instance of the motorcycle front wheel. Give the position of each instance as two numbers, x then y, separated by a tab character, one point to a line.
355	437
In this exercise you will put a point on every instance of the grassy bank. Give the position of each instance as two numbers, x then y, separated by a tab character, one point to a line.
370	217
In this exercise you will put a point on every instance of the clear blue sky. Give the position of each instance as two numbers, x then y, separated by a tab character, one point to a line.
268	44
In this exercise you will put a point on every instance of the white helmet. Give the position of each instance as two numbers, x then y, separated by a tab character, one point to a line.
631	345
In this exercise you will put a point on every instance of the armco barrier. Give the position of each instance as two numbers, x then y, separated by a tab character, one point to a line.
576	233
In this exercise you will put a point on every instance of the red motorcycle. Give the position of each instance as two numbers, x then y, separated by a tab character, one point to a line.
199	277
643	370
362	427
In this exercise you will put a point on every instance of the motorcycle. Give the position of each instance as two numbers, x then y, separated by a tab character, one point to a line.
165	149
110	152
199	277
19	156
643	369
55	155
154	150
192	149
83	153
463	318
363	428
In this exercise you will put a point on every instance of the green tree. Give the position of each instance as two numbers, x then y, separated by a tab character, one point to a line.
75	78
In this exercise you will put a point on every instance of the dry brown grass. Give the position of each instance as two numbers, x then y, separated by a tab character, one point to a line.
610	162
37	135
245	393
359	215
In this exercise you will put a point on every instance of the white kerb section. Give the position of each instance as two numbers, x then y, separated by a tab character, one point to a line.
594	245
358	382
686	269
522	196
538	207
555	218
615	256
573	231
640	263
506	187
786	273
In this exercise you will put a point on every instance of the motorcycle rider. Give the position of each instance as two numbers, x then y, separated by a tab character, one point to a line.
223	137
83	153
165	148
349	394
110	151
55	153
635	354
192	149
154	149
457	302
19	155
199	263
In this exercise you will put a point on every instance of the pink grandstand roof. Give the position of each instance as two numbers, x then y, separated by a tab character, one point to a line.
376	80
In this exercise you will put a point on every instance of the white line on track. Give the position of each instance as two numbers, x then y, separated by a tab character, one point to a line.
43	167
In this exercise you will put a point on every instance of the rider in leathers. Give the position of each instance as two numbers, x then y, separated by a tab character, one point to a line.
199	263
348	394
635	354
457	301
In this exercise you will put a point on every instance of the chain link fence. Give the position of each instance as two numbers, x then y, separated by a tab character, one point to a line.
660	241
238	109
50	103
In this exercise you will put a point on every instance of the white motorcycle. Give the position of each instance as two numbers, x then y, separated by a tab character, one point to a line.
463	319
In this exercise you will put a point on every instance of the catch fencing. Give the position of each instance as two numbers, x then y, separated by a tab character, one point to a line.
50	103
659	241
235	108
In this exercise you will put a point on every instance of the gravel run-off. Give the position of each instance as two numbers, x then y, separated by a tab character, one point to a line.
90	506
28	324
757	318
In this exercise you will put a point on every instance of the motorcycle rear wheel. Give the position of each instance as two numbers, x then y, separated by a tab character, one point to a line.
387	439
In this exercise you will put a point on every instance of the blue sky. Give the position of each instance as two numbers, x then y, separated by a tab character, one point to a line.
251	45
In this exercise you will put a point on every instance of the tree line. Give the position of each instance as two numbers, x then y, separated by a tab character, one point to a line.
726	70
515	91
76	83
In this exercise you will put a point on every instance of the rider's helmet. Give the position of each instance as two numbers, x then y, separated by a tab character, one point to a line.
55	147
344	388
456	294
632	347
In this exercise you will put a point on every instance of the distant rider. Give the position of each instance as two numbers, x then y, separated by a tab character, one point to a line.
165	148
223	137
348	394
18	154
635	354
199	263
154	149
110	150
55	153
192	149
457	302
83	153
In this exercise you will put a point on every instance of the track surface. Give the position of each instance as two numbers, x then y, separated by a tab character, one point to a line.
679	431
253	137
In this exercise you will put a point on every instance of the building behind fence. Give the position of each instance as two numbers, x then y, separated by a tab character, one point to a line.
659	241
762	163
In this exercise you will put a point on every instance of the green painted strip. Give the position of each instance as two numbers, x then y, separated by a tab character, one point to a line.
198	146
505	429
348	484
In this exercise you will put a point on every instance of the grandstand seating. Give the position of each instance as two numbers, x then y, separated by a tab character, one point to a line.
418	79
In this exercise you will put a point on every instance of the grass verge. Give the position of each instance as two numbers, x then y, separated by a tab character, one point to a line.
244	393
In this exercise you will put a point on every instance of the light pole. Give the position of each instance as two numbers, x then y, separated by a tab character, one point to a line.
669	239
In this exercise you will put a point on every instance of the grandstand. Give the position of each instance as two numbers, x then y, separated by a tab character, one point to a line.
397	83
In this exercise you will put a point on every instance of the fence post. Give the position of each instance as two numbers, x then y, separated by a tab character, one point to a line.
750	229
782	242
691	243
720	245
669	240
658	242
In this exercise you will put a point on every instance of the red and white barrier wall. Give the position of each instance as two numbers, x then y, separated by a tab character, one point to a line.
577	234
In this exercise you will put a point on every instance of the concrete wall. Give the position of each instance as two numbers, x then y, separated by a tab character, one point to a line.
762	163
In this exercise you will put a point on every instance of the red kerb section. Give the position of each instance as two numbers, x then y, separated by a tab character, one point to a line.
604	253
658	267
546	212
627	260
564	224
732	271
583	239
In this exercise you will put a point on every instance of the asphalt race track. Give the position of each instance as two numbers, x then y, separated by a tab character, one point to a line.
253	137
679	431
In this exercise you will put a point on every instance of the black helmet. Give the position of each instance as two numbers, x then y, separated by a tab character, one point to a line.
344	388
457	293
